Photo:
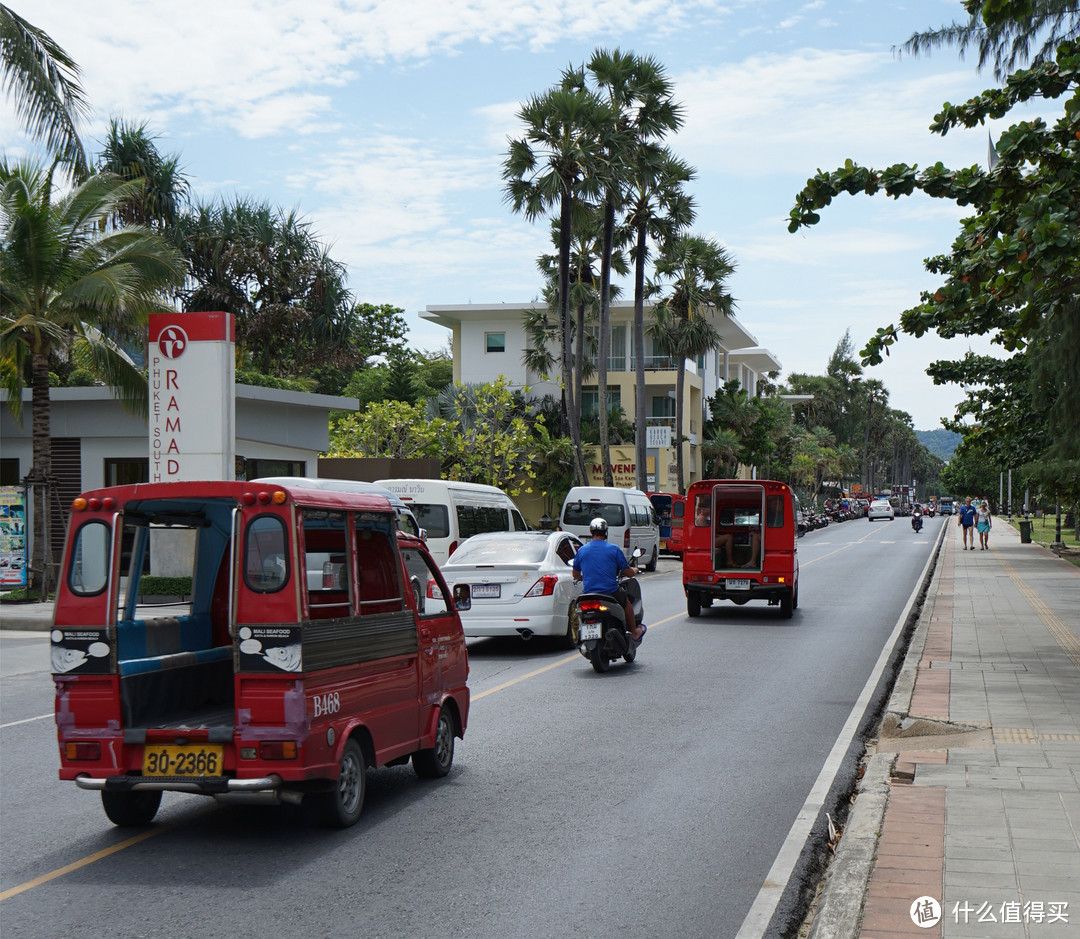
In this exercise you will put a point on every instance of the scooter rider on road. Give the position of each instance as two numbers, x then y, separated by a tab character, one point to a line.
599	564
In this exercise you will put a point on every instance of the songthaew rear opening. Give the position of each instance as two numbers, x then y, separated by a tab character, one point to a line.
174	652
738	529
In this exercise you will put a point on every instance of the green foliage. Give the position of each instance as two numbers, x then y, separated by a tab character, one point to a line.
81	378
941	443
970	474
131	154
395	429
266	266
1004	32
43	81
155	586
379	329
480	433
259	380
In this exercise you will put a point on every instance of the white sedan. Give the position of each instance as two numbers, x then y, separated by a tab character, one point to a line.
881	508
521	582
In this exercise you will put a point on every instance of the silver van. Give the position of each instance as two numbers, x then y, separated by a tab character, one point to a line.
631	518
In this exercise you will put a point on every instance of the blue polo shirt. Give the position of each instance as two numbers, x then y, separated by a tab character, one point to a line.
967	515
600	563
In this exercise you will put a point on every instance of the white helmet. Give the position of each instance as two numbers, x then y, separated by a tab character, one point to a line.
598	527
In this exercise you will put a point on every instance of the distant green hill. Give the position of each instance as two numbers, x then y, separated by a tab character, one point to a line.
942	443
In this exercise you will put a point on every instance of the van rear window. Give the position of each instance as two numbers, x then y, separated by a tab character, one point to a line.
435	519
477	519
581	513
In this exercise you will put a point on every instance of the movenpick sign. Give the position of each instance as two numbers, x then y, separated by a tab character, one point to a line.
192	396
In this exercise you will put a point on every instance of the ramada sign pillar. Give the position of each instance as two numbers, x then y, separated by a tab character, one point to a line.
192	370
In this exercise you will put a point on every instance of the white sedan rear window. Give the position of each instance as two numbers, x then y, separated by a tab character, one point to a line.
508	550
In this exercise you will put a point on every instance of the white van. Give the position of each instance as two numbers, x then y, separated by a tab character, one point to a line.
631	518
450	512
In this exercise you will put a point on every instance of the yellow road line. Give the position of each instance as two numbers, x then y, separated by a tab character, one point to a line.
90	859
1065	637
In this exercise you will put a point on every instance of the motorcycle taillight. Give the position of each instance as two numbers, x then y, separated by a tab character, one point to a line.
590	606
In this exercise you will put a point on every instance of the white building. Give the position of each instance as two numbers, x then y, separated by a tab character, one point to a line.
489	340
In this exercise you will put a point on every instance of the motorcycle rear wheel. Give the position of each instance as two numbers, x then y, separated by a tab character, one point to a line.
599	660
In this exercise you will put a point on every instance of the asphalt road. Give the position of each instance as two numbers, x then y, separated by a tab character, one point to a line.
650	801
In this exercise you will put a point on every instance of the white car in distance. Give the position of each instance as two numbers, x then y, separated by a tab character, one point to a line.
881	508
521	582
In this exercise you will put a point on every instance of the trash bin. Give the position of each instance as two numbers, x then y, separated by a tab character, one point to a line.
1025	531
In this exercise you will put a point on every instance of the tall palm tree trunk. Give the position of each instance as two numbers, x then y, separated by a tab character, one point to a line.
579	376
680	385
572	406
639	358
604	349
39	473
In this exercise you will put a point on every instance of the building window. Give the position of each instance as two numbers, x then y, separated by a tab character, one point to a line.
663	406
494	342
258	469
9	471
590	400
127	472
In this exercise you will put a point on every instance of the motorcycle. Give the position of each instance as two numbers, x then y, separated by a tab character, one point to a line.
602	635
916	521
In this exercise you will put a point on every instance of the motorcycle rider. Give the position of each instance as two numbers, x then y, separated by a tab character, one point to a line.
599	564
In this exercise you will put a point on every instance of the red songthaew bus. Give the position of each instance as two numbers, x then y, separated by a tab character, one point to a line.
309	641
741	544
670	508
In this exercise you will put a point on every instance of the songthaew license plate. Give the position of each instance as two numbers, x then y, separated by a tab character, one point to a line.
588	631
738	584
189	760
488	591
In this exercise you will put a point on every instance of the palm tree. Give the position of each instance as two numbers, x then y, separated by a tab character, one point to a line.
44	81
697	269
640	109
72	286
551	166
1004	33
657	208
130	153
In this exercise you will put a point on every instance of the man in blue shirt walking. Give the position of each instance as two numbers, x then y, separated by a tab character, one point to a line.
966	520
598	565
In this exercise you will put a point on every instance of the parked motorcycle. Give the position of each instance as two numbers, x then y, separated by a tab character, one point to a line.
601	624
916	521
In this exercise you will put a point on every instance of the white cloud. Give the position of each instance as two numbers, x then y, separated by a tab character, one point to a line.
236	63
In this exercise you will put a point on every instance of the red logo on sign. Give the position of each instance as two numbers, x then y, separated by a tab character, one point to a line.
172	342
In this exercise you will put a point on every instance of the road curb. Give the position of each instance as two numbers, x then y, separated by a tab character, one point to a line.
840	908
35	617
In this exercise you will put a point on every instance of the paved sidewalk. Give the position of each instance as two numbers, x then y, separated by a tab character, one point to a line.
983	799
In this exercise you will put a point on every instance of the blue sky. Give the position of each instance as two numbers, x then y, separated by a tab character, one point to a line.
384	122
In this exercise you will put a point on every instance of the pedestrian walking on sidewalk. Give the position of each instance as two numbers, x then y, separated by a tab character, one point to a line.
983	524
966	520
